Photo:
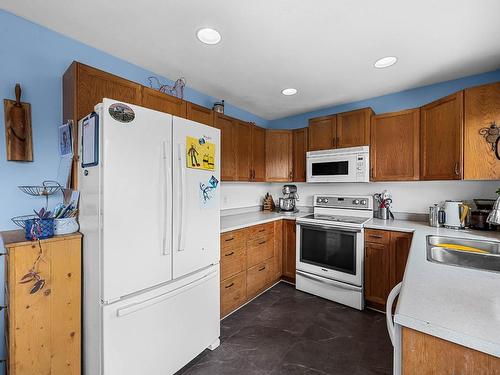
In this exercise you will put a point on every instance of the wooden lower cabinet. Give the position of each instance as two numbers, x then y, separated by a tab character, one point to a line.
386	253
423	354
289	261
233	293
43	326
249	258
259	277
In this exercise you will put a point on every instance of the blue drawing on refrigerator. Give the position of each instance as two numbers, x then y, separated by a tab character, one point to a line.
207	192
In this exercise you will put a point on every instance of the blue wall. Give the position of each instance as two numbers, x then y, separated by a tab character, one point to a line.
393	102
37	58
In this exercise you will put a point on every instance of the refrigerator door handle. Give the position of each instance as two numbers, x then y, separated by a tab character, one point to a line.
163	297
166	187
183	198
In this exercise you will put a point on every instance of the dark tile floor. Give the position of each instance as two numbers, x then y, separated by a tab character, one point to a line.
285	331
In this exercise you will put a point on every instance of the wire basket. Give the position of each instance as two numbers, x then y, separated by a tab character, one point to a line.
47	188
20	221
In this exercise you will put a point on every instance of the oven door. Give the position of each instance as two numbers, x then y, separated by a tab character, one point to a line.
333	252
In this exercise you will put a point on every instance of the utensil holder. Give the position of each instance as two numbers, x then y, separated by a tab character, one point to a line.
65	226
44	228
383	213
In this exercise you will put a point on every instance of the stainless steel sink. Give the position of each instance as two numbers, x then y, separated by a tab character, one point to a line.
488	261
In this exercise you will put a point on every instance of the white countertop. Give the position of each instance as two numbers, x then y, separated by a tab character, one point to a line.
238	221
454	303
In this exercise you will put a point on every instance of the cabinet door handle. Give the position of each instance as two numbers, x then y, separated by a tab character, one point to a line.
374	236
229	286
262	230
262	269
229	239
262	243
229	254
457	172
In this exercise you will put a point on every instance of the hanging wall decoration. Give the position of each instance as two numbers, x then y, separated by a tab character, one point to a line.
18	137
492	136
200	154
177	89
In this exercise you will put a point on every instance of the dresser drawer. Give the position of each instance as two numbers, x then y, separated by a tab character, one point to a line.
259	277
259	249
233	293
261	230
233	240
377	236
232	261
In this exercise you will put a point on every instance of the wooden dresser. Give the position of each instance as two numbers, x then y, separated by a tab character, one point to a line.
43	316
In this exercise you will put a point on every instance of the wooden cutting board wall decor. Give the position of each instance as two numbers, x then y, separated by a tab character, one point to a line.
18	137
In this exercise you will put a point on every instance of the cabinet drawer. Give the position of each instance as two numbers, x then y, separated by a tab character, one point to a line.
232	261
377	236
259	249
259	277
232	293
233	240
261	230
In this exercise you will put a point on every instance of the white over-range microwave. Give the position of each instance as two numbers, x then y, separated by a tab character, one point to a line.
339	165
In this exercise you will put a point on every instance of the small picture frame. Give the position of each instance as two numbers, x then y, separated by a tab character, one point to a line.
90	140
65	140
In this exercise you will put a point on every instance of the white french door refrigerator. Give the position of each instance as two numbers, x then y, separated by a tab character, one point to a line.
151	229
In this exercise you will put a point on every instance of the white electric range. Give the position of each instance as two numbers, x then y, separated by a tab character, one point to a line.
330	248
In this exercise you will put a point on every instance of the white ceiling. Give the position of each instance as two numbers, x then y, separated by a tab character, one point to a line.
324	48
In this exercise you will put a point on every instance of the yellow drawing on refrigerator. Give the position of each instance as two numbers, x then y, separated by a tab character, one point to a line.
200	154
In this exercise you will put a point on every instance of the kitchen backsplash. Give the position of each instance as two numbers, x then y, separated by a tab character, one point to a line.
412	197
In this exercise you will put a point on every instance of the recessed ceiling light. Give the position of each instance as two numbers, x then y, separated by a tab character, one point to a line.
385	62
208	35
288	92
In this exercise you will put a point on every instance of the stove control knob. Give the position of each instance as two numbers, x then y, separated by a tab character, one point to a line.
325	200
356	201
319	200
363	202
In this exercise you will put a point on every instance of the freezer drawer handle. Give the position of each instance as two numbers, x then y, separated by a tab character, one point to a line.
229	254
163	297
229	286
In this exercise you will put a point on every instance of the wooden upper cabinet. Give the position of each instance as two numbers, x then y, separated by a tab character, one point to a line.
353	128
395	146
322	133
162	102
228	141
299	154
92	85
482	108
441	135
243	145
199	114
278	155
258	154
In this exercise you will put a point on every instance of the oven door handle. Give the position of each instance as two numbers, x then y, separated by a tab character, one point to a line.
328	281
326	227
